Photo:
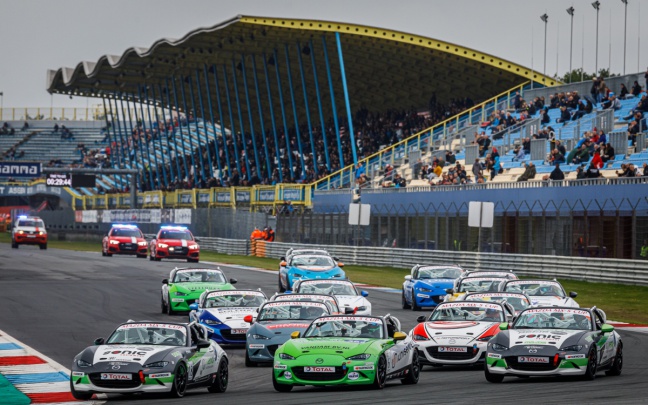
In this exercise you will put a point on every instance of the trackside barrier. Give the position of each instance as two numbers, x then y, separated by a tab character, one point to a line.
220	245
260	248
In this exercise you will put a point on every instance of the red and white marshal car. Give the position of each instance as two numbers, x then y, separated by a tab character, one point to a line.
174	242
28	231
124	240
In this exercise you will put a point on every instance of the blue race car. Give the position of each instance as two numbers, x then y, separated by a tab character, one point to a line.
309	267
426	286
223	313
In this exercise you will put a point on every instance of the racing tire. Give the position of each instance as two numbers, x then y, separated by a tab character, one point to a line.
109	254
169	310
618	363
163	306
381	373
179	384
280	387
404	303
80	395
43	246
412	376
141	256
14	245
415	307
248	360
193	260
592	365
103	253
281	288
222	378
492	378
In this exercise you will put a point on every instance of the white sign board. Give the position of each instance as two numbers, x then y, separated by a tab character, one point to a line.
480	214
359	214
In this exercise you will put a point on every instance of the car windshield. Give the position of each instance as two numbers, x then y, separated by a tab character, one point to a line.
352	327
186	235
309	297
149	334
130	233
554	318
233	299
31	222
198	276
537	288
312	261
432	272
510	276
479	284
327	287
518	302
468	311
292	310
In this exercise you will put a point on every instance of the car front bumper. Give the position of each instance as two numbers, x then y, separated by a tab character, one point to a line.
154	381
345	372
508	365
431	354
25	239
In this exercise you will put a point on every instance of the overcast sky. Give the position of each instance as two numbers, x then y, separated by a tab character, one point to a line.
37	35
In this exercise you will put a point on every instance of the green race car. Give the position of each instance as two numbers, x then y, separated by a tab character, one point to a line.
346	350
184	286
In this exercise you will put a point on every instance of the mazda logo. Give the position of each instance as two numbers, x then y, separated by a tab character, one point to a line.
115	367
319	361
533	351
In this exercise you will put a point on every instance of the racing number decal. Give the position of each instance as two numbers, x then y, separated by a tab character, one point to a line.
398	356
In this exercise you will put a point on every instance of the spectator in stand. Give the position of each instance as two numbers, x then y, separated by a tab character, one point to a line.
450	157
519	153
564	115
603	90
612	102
608	153
625	171
544	117
529	172
477	169
593	172
578	114
636	89
594	90
25	126
399	182
646	77
623	94
56	128
644	172
597	162
580	172
557	174
556	157
526	145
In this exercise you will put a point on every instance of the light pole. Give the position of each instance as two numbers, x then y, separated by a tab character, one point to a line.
596	5
1	103
570	11
545	18
625	32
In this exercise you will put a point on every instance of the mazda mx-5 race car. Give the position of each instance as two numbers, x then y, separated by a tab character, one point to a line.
308	267
150	357
491	273
475	284
346	350
457	332
546	293
343	290
518	301
124	239
275	323
174	242
223	312
329	300
426	285
557	341
184	287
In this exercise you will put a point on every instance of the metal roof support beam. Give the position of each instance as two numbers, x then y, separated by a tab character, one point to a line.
202	114
109	126
130	145
175	160
249	108
291	174
245	156
232	127
195	115
334	108
346	97
306	108
184	153
319	105
272	118
156	183
119	145
221	122
263	131
192	151
165	178
294	106
139	148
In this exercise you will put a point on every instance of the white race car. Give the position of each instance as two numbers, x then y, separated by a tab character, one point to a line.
543	293
457	332
343	290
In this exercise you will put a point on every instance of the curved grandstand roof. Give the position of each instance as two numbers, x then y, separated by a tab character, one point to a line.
384	68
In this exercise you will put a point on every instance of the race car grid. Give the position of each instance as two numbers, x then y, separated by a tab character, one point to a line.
29	377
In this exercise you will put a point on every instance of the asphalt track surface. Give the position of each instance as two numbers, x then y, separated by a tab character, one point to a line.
59	301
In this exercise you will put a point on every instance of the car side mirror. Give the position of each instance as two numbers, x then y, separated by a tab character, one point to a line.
247	318
233	281
449	291
294	335
504	326
348	310
573	294
193	306
203	344
408	277
165	281
340	264
364	293
283	264
197	240
99	341
420	318
607	328
399	336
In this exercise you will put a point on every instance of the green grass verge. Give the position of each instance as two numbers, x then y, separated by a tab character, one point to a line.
625	303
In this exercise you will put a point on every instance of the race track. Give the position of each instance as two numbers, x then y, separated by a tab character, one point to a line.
59	301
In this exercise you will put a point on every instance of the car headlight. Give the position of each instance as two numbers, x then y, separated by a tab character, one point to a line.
363	356
573	348
285	356
181	294
261	337
212	322
163	245
41	233
193	247
421	289
83	363
114	242
142	243
21	232
420	337
157	364
498	347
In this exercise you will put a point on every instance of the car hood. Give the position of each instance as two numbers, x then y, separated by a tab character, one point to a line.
541	337
435	283
129	353
126	239
199	287
231	313
177	242
314	268
553	301
274	328
352	301
30	229
335	346
458	332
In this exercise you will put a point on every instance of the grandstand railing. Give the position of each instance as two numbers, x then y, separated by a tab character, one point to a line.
398	152
52	113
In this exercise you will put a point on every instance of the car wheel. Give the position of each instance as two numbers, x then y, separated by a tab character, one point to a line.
163	305
179	385
141	256
280	387
14	245
83	396
281	288
404	303
618	362
493	378
222	378
43	246
381	373
415	307
169	310
103	253
248	360
592	365
412	376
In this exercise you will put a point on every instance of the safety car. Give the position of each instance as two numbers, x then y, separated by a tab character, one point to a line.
185	285
124	239
543	292
306	267
150	357
343	290
426	285
346	350
174	242
557	341
28	231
